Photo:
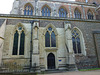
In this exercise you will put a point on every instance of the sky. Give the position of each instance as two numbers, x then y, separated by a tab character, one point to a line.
6	6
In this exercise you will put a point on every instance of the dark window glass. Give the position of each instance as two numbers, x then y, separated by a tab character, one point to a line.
15	43
78	45
53	40
50	29
62	13
28	10
77	14
74	44
47	39
22	39
90	16
45	11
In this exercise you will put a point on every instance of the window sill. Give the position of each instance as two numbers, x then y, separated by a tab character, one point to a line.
18	56
51	48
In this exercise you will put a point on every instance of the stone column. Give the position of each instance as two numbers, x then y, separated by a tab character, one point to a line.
35	55
70	56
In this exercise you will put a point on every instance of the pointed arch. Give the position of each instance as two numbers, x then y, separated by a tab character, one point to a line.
28	9
50	34
77	13
62	12
78	41
90	14
46	10
19	39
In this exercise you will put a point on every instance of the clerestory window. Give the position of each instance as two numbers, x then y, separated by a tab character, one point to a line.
62	12
90	15
18	43
77	14
46	11
28	10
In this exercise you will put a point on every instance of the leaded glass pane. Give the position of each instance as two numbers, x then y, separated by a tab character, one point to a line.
53	40
22	40
77	14
45	11
28	10
78	45
15	43
50	29
62	12
74	44
47	39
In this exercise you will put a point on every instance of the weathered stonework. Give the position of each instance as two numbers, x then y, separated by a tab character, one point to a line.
63	54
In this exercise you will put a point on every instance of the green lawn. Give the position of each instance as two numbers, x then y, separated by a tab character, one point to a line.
89	69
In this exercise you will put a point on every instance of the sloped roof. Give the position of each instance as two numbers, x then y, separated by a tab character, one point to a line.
1	21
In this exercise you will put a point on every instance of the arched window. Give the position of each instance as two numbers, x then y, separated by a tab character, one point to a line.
46	11
28	10
90	15
19	40
50	38
77	14
76	42
62	12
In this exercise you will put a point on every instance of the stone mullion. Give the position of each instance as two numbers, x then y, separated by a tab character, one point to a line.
50	39
18	43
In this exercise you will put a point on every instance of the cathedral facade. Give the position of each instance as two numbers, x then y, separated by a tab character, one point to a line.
51	34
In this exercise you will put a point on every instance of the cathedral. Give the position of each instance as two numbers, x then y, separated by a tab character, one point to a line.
50	35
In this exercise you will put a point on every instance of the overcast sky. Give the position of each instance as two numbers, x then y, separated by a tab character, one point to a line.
6	6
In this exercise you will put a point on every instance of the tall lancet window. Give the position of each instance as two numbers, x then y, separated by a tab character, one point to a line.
62	12
50	38
19	41
76	41
28	10
46	11
77	14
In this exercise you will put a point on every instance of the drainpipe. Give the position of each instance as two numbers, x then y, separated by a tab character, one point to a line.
31	45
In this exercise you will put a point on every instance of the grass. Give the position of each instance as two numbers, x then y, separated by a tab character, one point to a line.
89	69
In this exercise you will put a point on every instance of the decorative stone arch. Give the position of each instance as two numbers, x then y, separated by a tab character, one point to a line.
19	25
78	11
82	42
46	6
90	10
64	9
52	26
27	5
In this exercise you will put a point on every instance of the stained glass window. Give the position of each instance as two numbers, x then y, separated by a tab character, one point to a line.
15	44
77	14
22	39
76	42
28	10
45	11
62	12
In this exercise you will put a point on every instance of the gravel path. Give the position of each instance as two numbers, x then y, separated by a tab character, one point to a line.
96	72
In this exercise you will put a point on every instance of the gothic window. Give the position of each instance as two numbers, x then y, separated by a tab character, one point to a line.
77	14
76	42
62	12
50	38
90	15
28	10
18	43
46	11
